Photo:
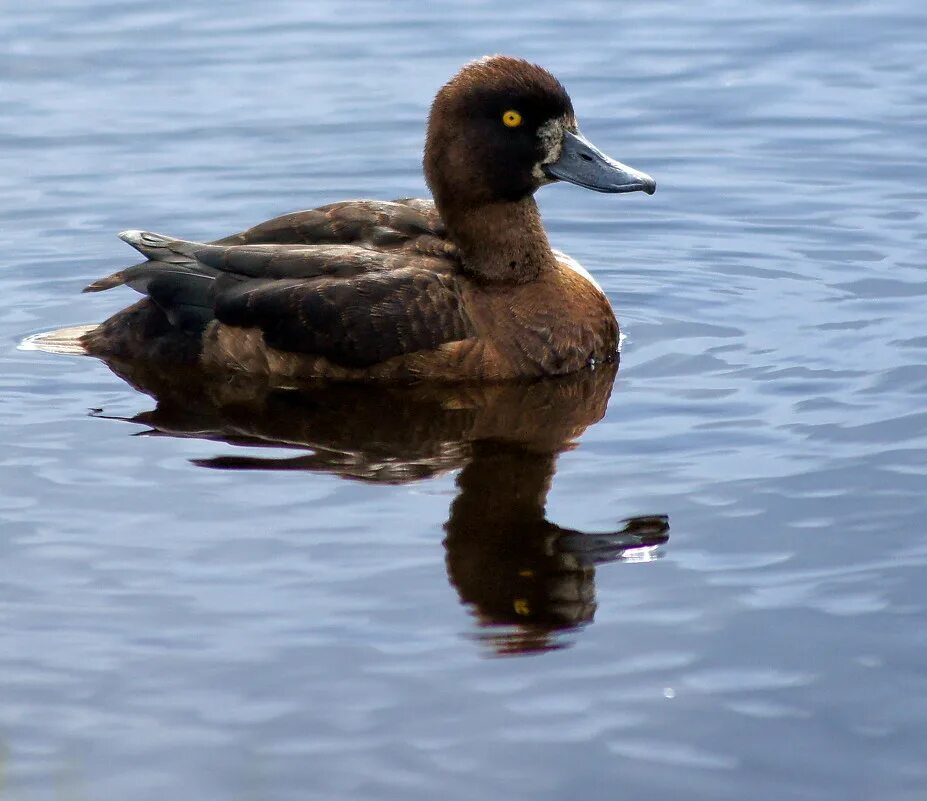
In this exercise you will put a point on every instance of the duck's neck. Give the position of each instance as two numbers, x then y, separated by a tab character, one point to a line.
503	242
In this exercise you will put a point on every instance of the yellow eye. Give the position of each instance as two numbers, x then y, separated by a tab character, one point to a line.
511	119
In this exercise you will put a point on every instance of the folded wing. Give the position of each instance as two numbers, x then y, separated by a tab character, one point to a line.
357	282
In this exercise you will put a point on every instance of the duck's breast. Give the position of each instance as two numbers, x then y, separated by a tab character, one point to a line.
557	324
571	263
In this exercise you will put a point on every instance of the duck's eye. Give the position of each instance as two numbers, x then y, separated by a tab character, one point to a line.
511	118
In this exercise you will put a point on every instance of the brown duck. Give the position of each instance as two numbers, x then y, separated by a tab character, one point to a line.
466	288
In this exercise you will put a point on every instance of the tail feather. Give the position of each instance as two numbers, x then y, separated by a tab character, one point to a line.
102	284
68	341
115	279
139	276
162	252
181	286
159	247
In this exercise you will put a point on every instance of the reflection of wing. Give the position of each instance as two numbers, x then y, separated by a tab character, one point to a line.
377	433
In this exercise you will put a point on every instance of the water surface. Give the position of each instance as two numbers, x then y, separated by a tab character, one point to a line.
206	594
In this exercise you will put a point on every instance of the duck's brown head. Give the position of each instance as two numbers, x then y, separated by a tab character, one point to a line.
503	127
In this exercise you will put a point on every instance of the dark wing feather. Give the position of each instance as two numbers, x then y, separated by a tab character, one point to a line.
298	261
338	240
357	282
356	322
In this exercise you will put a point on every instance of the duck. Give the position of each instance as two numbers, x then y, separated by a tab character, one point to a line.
462	288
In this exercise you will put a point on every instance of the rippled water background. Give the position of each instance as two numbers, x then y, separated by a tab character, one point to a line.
170	631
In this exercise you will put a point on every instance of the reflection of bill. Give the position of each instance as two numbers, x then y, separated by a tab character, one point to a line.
525	578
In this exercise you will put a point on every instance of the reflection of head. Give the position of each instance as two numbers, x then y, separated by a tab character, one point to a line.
501	551
506	560
518	570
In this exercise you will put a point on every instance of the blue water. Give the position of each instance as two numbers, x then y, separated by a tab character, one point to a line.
171	629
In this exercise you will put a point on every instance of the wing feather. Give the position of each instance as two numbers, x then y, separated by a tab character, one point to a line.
357	282
356	322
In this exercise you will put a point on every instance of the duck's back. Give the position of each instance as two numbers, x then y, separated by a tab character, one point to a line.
405	223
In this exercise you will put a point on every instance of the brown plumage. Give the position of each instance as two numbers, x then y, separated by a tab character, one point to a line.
465	288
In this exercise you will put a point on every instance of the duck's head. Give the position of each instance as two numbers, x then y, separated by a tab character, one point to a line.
503	127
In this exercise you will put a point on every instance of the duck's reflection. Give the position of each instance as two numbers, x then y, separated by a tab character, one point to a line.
525	578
